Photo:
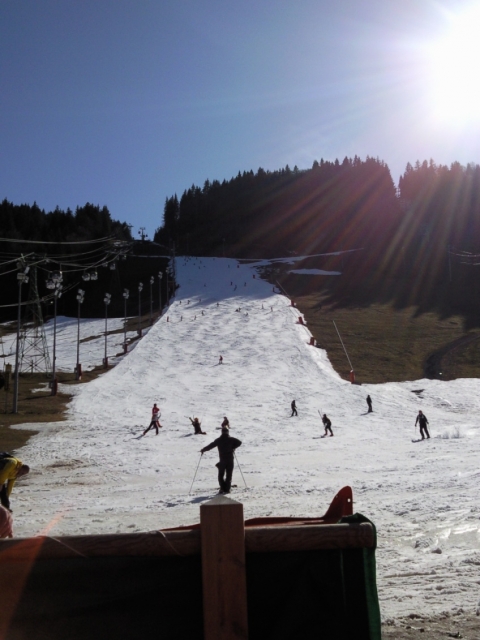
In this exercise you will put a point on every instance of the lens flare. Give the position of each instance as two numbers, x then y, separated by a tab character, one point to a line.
455	70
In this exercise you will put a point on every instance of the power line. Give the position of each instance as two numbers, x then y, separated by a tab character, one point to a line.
15	240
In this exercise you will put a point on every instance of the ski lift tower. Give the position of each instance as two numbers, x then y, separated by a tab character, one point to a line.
33	348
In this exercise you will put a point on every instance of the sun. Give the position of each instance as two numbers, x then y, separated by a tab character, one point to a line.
455	70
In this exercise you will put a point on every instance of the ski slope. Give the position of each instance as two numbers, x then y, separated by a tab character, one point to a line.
93	474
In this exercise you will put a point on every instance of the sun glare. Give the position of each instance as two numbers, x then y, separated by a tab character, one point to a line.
455	61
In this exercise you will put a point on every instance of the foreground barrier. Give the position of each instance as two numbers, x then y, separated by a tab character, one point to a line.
268	578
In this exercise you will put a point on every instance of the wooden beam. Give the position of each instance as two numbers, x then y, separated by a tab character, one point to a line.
309	537
186	542
155	543
223	570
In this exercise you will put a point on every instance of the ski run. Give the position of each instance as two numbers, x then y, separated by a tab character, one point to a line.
93	473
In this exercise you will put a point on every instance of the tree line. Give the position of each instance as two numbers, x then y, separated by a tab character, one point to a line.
289	210
29	222
443	203
332	206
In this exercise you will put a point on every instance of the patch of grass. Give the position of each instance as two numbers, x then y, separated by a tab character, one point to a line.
385	342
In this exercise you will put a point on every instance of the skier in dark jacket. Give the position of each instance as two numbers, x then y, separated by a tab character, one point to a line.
369	402
226	448
197	425
327	424
422	421
294	409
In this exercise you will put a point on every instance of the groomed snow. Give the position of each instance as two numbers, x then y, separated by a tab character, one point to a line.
92	474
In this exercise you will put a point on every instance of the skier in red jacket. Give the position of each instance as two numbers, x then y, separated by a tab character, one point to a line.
155	421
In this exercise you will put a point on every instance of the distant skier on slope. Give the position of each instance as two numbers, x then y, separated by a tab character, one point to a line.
327	424
226	448
197	425
220	360
422	421
155	421
294	409
369	403
225	422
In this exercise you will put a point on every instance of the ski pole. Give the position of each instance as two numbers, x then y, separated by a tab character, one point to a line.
195	474
240	468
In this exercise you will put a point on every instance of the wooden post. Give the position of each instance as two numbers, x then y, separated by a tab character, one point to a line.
223	570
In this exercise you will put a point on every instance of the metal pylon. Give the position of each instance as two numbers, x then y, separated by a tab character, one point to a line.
33	347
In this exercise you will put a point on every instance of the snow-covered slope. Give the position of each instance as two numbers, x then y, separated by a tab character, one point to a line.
93	474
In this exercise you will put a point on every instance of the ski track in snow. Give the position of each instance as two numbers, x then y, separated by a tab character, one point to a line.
94	474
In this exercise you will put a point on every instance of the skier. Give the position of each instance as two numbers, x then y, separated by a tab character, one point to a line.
220	360
294	409
226	447
197	425
10	469
328	424
156	415
155	421
369	402
422	421
225	422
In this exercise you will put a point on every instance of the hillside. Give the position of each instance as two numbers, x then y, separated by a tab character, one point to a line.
99	476
391	329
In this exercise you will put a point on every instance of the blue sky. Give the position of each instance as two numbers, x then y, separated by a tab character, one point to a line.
125	102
